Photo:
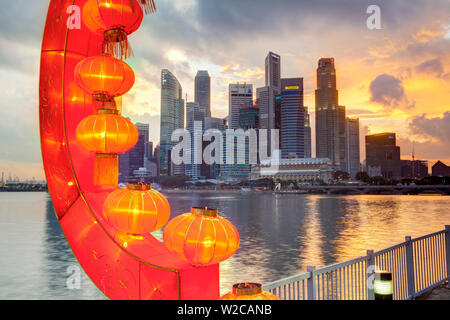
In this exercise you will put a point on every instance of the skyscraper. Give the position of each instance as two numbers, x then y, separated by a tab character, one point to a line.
238	95
266	95
172	118
157	156
382	155
139	152
149	150
194	112
292	119
330	118
213	170
203	91
215	123
248	117
307	134
273	70
134	159
353	154
342	131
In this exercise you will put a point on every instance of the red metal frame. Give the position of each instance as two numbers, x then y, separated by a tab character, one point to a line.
121	267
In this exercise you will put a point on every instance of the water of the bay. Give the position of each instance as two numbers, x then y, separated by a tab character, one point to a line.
280	235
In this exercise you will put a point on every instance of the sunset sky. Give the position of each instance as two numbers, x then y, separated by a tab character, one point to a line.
393	79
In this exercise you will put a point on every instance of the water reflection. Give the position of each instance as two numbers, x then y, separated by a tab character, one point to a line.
59	257
280	236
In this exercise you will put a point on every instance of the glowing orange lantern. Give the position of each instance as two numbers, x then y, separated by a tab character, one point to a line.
108	134
249	291
148	6
201	237
114	20
104	77
136	210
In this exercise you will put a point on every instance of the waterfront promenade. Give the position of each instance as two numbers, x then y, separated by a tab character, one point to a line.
419	269
335	189
373	189
440	293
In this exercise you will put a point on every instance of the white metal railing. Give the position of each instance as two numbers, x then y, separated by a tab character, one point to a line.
417	265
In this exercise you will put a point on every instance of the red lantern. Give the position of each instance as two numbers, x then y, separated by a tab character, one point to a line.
108	134
114	20
148	6
104	77
136	210
201	237
249	291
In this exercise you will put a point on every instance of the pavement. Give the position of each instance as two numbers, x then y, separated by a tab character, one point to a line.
440	293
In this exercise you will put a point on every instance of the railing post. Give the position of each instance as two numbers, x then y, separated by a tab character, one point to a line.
410	267
447	249
370	275
311	283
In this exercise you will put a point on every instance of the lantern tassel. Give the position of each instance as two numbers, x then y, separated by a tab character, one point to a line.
106	170
148	6
116	44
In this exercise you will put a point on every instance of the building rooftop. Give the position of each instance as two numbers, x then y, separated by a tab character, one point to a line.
299	161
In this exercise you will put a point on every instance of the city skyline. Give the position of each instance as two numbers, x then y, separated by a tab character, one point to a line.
396	77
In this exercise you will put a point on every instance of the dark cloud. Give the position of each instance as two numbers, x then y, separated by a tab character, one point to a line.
388	91
431	67
359	111
438	127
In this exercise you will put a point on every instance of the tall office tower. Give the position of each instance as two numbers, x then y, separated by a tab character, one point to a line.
329	116
194	112
308	153
238	94
266	95
134	159
125	172
248	117
156	154
353	154
273	70
382	155
342	130
213	170
203	91
215	123
292	119
172	118
143	129
149	150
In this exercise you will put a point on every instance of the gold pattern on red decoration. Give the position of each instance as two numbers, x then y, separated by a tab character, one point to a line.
148	6
249	291
201	237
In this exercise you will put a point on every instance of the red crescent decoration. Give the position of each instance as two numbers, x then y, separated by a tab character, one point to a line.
121	267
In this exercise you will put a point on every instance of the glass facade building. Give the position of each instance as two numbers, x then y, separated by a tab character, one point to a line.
327	115
203	91
292	119
172	118
194	113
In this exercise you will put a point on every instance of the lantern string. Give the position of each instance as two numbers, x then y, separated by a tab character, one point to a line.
116	44
149	6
